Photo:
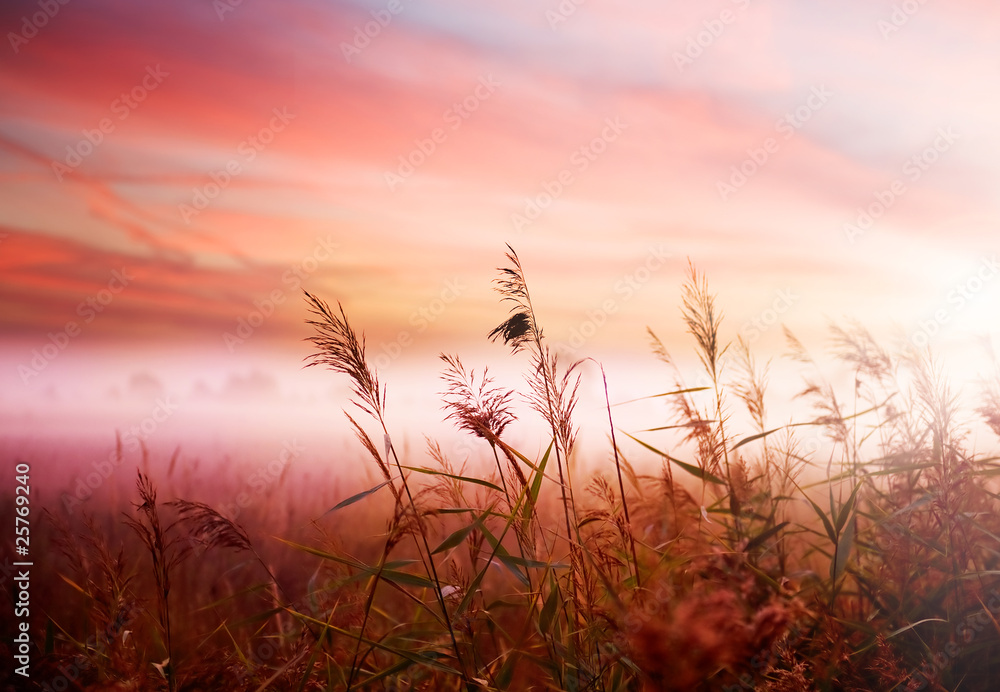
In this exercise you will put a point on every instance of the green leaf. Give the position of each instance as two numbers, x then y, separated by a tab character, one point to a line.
535	489
657	396
430	659
308	667
525	460
827	420
509	559
466	479
356	498
895	633
549	608
395	576
697	472
845	510
473	587
760	538
692	424
505	676
758	436
844	546
831	534
457	537
690	468
500	553
399	667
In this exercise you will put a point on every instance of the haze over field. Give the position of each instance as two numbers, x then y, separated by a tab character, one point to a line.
174	176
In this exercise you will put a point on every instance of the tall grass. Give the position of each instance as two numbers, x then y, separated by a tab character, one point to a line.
854	547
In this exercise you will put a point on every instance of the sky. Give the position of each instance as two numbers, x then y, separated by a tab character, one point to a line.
173	175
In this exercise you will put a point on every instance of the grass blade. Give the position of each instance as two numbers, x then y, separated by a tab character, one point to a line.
690	468
357	498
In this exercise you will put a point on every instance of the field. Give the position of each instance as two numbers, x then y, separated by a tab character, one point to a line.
855	548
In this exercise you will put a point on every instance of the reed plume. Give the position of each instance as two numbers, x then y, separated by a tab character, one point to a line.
166	550
340	349
552	396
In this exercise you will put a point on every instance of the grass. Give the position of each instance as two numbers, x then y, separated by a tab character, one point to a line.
868	562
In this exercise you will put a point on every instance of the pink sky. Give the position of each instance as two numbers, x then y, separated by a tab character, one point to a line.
631	115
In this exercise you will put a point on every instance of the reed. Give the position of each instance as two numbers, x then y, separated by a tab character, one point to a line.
855	546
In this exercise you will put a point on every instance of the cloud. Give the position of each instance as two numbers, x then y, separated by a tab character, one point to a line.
50	281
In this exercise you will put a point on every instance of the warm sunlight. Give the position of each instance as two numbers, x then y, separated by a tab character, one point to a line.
666	336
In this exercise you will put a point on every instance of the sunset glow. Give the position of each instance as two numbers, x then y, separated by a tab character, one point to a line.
178	179
816	164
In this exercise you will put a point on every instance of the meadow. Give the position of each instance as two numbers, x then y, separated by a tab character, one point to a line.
739	562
